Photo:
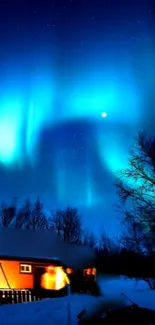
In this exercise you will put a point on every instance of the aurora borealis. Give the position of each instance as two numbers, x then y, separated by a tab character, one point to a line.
76	84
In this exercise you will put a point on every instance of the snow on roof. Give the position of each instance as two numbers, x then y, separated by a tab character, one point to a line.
43	244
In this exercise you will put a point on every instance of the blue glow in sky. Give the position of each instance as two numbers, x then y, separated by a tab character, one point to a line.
76	84
10	131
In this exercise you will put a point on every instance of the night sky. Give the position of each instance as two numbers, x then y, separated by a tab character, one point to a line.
76	83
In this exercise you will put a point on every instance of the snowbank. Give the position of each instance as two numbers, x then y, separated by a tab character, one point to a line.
48	311
55	311
137	291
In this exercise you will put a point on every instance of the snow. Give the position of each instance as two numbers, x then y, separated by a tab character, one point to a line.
137	291
48	311
55	311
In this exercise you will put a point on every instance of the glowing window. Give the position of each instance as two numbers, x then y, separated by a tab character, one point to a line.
25	268
69	271
90	271
54	278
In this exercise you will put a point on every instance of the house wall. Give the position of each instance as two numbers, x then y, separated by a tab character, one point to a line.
16	279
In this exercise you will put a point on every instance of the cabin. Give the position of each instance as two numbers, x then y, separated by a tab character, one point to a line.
40	260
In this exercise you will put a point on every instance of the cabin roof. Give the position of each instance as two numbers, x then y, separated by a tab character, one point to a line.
43	245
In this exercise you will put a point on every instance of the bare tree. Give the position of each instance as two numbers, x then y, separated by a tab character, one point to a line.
132	234
106	243
31	216
136	190
23	216
8	213
67	224
38	218
88	238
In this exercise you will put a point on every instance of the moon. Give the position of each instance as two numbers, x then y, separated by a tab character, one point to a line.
104	114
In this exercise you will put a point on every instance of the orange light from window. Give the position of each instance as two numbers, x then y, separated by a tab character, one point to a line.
54	278
50	268
90	271
69	271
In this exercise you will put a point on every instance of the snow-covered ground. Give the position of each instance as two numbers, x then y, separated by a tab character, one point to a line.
55	311
137	291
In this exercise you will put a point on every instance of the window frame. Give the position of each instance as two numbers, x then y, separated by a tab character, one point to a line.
25	265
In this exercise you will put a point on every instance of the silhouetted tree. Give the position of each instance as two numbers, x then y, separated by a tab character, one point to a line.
8	213
106	243
88	238
31	216
136	190
132	235
23	216
38	218
67	224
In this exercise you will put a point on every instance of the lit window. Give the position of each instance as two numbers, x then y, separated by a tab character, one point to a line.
54	278
90	271
25	268
69	271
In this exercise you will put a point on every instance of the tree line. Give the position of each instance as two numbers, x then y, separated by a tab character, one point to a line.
30	215
66	222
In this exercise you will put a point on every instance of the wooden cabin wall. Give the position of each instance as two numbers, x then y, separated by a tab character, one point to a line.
15	279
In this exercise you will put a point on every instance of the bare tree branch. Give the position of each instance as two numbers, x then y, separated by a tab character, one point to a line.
67	224
8	213
136	190
88	238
